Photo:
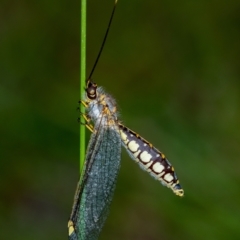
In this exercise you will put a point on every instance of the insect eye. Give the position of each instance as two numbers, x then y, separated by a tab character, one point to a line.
91	90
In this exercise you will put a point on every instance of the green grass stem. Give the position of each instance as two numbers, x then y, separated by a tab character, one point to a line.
82	77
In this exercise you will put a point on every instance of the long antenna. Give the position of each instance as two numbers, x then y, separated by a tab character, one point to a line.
104	40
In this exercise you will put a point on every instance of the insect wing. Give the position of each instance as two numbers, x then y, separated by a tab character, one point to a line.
95	191
93	146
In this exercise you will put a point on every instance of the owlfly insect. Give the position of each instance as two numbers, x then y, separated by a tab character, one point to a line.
102	162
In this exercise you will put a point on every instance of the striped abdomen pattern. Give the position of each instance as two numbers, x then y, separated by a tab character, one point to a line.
150	159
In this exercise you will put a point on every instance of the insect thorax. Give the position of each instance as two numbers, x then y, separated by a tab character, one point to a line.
102	109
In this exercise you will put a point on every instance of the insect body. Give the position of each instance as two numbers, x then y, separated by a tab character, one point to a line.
95	190
140	150
97	183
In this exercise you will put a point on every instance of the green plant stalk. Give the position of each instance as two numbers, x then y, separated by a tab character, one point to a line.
82	78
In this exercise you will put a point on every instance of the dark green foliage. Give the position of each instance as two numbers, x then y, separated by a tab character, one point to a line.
173	67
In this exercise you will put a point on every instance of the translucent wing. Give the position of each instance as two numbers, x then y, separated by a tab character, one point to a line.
95	190
150	159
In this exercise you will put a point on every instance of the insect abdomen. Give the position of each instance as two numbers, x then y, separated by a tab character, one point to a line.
150	159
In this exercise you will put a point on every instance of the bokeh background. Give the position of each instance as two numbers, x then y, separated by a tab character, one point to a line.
173	67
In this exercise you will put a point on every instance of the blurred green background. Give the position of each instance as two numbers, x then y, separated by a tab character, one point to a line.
173	67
